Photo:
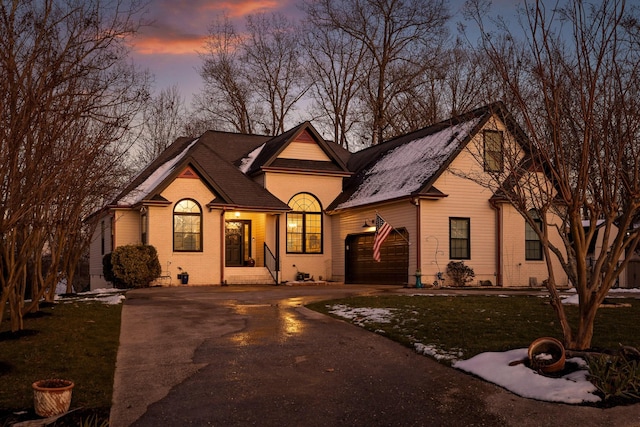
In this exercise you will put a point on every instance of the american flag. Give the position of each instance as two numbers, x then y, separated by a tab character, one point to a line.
382	231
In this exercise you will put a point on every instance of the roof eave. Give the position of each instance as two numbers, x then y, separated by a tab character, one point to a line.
339	209
264	169
229	206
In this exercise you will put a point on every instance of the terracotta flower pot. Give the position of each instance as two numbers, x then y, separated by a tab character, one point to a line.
52	397
547	355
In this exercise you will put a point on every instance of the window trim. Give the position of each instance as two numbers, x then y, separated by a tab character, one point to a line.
493	155
173	225
305	215
468	238
536	218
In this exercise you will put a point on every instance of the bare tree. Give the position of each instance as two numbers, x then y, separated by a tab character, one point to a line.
273	56
162	122
227	100
251	79
401	37
334	69
468	80
67	96
574	83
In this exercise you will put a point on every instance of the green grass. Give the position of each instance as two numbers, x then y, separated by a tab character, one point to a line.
77	341
469	325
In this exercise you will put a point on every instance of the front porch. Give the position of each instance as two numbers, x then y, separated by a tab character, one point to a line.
248	258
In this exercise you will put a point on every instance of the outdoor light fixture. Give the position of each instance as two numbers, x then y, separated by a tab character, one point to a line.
369	225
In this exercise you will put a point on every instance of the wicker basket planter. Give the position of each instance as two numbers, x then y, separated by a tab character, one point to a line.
52	397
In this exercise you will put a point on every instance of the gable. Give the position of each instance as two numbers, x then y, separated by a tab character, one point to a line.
193	188
304	147
298	149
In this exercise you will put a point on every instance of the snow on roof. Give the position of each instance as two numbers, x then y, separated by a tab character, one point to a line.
406	168
160	174
245	163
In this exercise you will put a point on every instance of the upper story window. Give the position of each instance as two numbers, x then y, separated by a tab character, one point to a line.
459	238
304	225
532	243
187	226
493	151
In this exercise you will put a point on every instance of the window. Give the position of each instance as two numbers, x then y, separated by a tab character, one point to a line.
143	227
187	226
112	231
459	238
532	243
304	225
102	237
493	156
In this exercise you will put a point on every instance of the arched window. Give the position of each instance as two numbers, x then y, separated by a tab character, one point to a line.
304	225
532	243
187	226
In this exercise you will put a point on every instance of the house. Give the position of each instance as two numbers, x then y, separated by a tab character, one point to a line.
238	209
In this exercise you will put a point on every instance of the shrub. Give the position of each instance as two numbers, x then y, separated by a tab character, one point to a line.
615	375
135	266
459	273
107	270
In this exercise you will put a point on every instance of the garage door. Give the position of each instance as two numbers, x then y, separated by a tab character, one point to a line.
393	268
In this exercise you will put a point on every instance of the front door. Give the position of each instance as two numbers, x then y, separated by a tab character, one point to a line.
237	238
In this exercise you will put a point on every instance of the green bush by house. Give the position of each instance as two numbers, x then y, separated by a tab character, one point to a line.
132	266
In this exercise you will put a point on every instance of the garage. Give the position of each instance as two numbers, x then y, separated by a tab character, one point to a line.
393	268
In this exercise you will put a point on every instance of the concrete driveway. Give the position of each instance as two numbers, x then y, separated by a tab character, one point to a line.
236	356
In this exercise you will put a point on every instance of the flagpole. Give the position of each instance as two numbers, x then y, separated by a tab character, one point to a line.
393	228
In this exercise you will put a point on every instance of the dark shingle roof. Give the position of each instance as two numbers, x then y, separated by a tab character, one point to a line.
232	146
408	165
231	186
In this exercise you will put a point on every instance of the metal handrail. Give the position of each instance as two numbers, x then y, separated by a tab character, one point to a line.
271	262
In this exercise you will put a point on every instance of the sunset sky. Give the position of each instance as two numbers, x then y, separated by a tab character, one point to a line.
168	46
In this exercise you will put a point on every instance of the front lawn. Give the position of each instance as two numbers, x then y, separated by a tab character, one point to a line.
460	327
77	341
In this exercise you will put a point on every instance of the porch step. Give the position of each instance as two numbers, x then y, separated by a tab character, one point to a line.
248	276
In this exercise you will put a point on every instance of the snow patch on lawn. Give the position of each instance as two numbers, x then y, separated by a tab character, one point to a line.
110	296
572	388
437	353
519	379
360	316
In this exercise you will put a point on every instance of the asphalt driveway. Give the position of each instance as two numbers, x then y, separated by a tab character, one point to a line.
231	356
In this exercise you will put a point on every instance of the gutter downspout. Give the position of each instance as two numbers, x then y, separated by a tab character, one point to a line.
495	206
277	249
418	237
222	252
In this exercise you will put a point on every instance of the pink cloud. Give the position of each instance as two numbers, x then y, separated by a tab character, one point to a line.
180	27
